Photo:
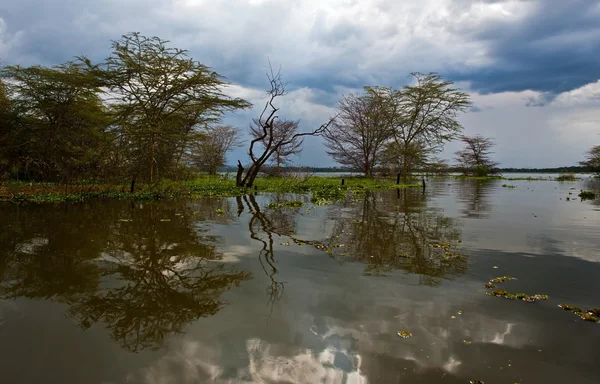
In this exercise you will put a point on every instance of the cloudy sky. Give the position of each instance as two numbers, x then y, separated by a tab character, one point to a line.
531	66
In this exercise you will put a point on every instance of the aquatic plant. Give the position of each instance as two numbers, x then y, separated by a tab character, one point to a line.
587	195
566	177
404	334
502	279
285	204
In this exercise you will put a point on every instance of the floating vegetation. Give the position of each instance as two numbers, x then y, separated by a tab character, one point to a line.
592	314
285	204
404	334
476	382
165	220
287	244
568	307
507	295
502	279
467	342
587	195
588	317
220	211
125	220
508	186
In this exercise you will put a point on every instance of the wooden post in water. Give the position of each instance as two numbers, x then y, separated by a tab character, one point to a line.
423	184
397	178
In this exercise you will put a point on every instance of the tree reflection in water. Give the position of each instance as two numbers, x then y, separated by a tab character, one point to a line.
475	195
389	232
156	272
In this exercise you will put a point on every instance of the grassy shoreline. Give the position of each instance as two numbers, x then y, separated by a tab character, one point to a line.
321	189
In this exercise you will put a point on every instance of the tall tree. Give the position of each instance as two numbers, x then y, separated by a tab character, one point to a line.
426	112
208	153
357	137
162	99
283	130
475	158
60	126
592	160
268	137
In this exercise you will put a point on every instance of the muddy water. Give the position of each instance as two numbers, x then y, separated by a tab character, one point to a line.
231	291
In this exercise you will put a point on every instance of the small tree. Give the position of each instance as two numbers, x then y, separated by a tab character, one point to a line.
268	137
209	153
426	113
475	158
357	138
283	130
592	160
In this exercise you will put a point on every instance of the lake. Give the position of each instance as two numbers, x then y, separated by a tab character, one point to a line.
248	290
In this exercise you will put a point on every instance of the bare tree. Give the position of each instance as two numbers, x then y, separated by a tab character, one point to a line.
271	143
592	160
209	152
358	136
283	130
426	113
475	157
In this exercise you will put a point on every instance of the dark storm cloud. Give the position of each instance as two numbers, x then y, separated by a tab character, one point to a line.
555	49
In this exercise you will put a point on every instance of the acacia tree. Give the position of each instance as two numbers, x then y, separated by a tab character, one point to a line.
592	160
208	153
426	113
271	142
358	136
475	158
161	99
60	124
283	130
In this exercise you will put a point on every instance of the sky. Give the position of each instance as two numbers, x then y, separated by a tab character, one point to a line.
532	67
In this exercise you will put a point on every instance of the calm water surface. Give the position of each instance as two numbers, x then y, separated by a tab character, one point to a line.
231	291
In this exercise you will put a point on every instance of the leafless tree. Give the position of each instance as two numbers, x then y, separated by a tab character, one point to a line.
358	136
284	131
209	152
270	141
475	158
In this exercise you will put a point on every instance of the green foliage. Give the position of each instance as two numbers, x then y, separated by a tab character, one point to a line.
60	126
321	189
163	100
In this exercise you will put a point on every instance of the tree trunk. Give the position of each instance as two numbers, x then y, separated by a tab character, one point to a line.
238	176
404	171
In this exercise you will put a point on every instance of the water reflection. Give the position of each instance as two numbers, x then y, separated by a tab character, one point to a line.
475	195
143	272
388	233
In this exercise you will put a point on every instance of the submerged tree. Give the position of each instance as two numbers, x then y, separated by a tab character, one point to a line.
475	158
271	142
592	160
425	113
357	138
208	153
283	130
161	100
